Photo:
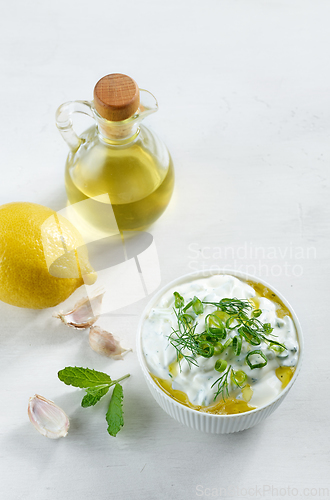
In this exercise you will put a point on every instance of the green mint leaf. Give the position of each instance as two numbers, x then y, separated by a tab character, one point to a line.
93	395
114	415
83	377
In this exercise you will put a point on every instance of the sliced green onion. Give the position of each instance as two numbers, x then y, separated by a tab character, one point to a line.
244	316
215	326
221	314
278	348
179	300
239	377
220	365
187	306
249	335
228	343
256	365
256	313
207	350
237	344
229	321
218	348
186	318
197	306
267	327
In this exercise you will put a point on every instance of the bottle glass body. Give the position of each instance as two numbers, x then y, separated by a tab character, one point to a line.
121	167
137	175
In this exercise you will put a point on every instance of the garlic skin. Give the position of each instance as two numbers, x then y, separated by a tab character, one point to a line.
84	314
48	418
104	342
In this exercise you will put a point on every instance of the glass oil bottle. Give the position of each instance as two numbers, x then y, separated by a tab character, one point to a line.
118	164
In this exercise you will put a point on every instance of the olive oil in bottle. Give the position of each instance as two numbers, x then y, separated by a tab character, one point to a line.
122	167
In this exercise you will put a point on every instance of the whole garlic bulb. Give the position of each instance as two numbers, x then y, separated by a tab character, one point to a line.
48	418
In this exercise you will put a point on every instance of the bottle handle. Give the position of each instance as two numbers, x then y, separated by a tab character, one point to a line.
64	121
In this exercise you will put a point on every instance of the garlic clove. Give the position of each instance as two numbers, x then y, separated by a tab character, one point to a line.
48	418
84	314
104	342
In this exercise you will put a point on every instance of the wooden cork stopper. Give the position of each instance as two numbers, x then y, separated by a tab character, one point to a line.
116	97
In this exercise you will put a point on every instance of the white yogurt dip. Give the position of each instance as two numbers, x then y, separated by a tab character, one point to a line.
196	380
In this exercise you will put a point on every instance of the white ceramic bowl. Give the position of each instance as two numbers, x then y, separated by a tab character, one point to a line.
206	422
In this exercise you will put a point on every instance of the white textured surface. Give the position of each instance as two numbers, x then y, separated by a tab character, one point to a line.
244	95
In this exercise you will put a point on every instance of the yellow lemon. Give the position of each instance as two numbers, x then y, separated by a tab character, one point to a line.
43	259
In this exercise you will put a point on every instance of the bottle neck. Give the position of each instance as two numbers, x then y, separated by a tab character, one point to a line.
121	132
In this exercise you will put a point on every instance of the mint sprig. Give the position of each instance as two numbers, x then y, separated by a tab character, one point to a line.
97	385
83	377
114	415
93	395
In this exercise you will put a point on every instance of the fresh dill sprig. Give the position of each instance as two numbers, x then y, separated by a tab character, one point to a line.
223	383
185	338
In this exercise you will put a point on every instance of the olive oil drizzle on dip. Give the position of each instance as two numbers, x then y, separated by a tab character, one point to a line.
284	374
192	379
227	407
263	291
